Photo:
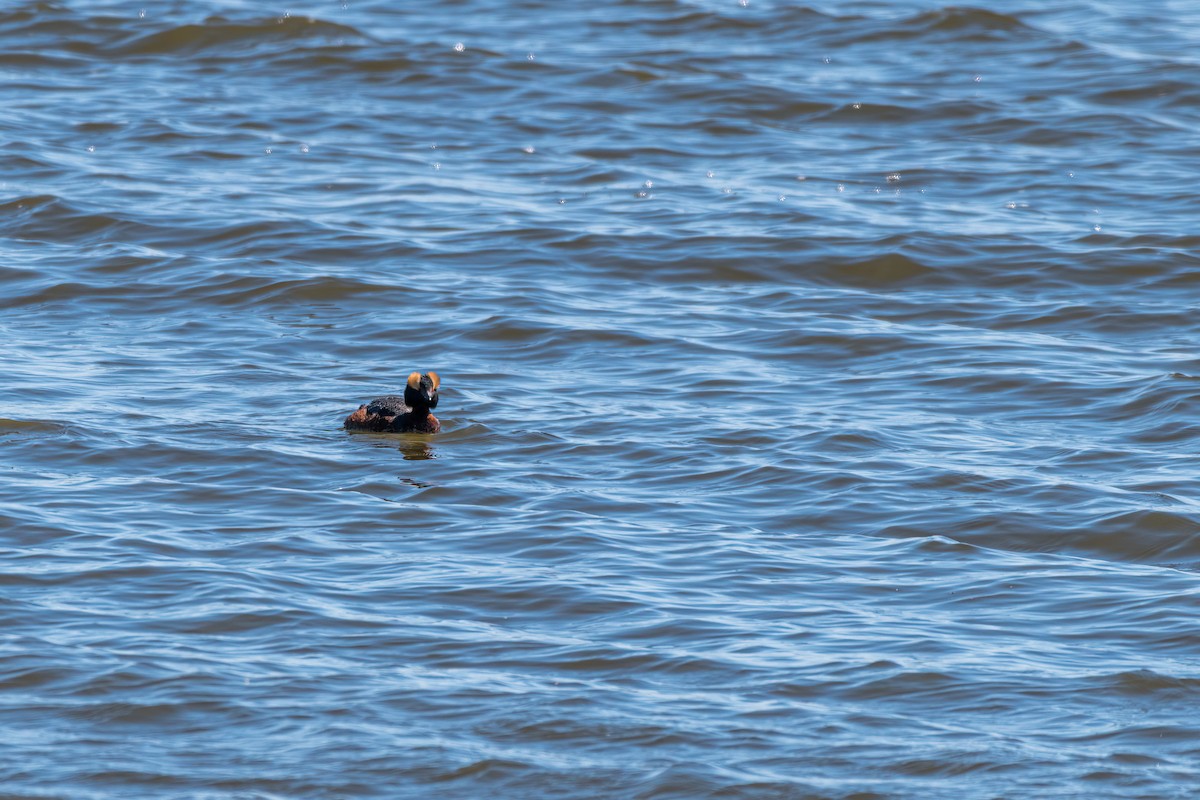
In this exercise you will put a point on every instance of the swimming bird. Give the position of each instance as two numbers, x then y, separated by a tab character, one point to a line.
408	414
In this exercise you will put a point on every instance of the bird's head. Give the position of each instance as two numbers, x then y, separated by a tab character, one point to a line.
422	390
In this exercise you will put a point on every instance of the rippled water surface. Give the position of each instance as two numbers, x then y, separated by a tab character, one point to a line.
821	400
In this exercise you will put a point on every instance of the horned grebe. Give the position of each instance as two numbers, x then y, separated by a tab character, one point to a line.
408	414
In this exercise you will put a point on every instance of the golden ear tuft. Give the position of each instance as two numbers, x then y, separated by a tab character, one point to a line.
414	380
433	376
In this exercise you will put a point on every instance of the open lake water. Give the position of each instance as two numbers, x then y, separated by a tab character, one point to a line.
821	399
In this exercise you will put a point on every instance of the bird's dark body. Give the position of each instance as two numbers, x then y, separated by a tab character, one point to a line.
390	406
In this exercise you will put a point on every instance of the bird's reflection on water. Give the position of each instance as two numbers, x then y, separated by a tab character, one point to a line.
412	447
418	450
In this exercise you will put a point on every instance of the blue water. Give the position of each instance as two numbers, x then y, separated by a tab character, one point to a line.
819	400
